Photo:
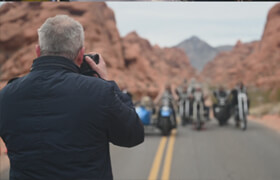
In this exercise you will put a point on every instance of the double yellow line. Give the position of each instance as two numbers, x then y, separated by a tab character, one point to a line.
168	158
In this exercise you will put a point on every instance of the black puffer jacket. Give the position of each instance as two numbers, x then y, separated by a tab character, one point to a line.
57	123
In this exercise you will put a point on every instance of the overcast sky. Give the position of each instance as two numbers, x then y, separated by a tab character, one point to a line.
168	23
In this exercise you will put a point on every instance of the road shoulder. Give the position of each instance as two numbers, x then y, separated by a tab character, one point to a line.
271	121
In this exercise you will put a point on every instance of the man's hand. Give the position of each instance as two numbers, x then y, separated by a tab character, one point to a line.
100	68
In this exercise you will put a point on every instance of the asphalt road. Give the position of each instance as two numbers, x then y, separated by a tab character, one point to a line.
215	153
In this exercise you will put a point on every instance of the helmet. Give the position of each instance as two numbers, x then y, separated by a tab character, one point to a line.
145	101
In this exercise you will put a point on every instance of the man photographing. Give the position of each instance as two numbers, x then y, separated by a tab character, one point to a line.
56	122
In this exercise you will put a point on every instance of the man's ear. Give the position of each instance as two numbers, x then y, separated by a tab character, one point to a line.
38	50
80	57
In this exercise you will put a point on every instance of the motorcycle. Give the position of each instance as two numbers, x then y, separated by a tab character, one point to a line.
185	109
221	110
166	121
198	110
163	122
198	115
242	109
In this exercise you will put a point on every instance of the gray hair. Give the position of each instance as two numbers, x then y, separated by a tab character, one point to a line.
61	36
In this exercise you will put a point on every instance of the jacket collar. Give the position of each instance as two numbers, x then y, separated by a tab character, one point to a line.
50	62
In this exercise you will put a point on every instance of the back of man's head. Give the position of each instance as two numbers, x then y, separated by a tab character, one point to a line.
61	36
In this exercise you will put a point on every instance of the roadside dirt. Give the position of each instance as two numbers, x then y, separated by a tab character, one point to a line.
271	121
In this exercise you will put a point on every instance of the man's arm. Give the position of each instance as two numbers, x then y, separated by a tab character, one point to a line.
125	128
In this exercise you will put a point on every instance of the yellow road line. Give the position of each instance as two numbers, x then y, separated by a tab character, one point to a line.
157	161
168	158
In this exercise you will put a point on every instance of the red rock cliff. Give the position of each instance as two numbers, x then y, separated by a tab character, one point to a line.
228	68
256	63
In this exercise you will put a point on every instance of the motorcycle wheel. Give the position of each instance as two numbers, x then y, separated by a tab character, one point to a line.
243	122
166	126
221	122
184	122
198	124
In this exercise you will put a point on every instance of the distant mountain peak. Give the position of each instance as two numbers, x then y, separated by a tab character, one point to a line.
194	38
199	51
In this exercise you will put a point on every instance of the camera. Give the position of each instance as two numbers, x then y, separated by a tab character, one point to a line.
85	67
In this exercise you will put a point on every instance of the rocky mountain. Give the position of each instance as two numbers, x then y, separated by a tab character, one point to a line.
256	63
229	67
200	52
132	61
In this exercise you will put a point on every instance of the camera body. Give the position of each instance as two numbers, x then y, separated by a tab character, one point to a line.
85	68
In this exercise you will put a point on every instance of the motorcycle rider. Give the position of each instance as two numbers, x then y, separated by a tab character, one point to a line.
181	89
191	90
191	87
146	110
234	100
167	94
183	95
198	99
220	93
